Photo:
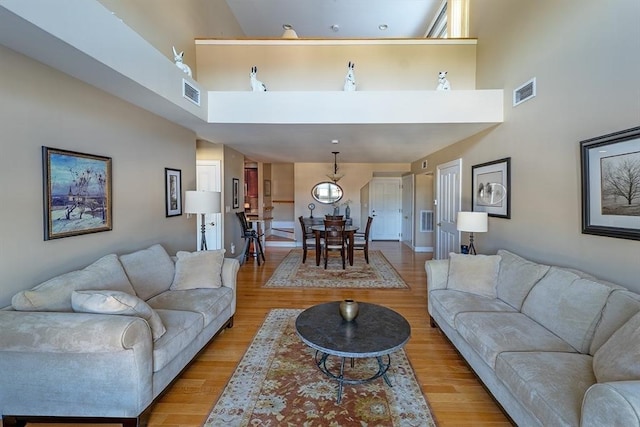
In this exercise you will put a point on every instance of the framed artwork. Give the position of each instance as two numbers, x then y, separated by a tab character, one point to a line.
491	188
236	193
173	191
267	187
77	193
611	184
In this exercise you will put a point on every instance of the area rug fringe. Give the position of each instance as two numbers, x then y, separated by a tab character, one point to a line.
277	384
379	273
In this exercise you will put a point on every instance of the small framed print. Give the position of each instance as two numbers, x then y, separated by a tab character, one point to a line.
491	188
77	193
236	193
173	191
611	185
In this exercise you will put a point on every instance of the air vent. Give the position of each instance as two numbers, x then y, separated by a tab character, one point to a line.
524	92
190	92
426	221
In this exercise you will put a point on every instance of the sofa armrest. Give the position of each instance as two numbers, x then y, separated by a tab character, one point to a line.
230	267
74	364
437	275
613	404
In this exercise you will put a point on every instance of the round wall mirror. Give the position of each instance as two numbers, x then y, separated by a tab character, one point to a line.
326	192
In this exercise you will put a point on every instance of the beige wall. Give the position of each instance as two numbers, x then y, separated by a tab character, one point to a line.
232	167
282	191
40	106
356	176
584	55
293	67
167	23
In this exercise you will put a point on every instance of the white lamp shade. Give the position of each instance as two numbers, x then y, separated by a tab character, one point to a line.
474	222
202	202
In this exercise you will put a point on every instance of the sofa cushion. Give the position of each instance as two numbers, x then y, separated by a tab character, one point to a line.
621	306
55	293
619	358
476	274
516	278
182	329
209	303
568	305
551	384
490	334
150	271
116	302
200	269
449	303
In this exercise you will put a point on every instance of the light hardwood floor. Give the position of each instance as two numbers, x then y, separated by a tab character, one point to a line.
456	397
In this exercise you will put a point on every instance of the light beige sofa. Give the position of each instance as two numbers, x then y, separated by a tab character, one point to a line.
104	342
554	346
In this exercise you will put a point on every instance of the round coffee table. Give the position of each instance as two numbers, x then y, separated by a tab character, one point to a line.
376	332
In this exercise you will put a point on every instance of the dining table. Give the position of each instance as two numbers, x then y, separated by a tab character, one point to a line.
318	231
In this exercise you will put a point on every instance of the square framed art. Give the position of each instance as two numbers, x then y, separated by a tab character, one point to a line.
491	188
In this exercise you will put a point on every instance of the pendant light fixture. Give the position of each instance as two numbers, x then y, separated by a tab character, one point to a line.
335	176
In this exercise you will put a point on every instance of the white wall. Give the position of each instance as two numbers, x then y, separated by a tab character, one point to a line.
41	106
584	54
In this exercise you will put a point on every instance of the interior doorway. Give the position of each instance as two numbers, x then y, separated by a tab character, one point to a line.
208	177
385	203
448	201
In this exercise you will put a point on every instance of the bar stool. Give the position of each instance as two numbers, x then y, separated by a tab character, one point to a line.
251	237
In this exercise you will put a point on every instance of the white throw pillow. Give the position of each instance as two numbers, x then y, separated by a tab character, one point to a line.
476	274
115	302
202	269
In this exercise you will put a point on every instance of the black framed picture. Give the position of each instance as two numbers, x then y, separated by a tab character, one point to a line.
173	191
491	188
77	193
611	184
236	193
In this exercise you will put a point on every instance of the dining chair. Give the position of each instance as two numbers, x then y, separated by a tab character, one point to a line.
308	239
334	240
361	240
251	237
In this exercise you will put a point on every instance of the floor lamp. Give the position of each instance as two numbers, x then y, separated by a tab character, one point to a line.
202	202
472	222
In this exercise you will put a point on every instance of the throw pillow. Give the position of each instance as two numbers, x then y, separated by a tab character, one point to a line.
150	271
115	302
201	269
476	274
617	359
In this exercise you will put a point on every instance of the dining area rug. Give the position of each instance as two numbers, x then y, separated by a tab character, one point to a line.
292	273
277	383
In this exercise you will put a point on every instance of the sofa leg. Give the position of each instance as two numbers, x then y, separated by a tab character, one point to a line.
432	322
9	421
230	323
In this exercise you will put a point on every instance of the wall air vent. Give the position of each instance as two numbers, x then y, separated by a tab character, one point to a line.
524	92
426	221
190	92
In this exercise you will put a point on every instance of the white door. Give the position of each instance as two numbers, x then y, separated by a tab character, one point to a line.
448	199
385	203
407	210
208	179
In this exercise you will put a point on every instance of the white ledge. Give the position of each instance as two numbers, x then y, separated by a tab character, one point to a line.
374	107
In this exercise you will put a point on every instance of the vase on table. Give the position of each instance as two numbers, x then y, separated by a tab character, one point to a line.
347	212
349	309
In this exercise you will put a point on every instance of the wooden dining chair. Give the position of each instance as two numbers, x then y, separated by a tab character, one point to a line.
334	240
361	240
308	239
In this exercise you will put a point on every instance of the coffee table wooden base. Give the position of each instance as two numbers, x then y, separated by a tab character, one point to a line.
321	362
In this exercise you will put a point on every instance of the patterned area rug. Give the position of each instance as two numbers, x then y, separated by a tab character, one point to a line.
379	273
278	384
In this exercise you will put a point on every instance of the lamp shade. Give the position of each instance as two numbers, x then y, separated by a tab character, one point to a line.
202	202
474	222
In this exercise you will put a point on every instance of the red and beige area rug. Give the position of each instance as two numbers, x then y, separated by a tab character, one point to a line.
292	273
278	384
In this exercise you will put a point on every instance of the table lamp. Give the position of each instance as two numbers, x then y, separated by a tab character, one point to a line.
472	222
202	202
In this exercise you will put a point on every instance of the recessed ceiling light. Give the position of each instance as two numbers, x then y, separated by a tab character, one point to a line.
383	27
335	28
335	141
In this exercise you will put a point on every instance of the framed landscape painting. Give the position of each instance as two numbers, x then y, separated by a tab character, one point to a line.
491	188
611	184
173	191
77	193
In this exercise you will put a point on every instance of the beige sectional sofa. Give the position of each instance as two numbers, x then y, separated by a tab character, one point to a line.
554	346
102	343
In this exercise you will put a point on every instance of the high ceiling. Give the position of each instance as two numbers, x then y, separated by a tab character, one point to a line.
336	18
